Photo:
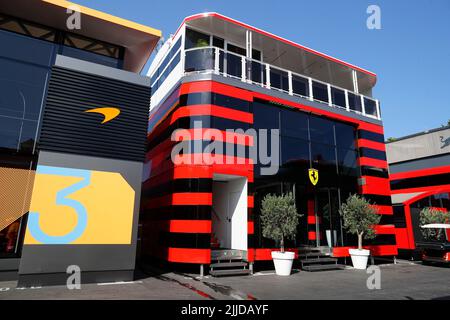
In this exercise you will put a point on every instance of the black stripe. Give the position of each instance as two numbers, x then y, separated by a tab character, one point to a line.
195	212
378	199
372	153
382	239
369	135
374	172
418	182
217	99
188	123
178	186
185	240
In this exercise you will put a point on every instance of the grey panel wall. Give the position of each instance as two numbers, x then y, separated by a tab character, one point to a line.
430	144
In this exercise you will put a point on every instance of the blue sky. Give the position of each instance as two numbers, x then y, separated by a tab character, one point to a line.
410	54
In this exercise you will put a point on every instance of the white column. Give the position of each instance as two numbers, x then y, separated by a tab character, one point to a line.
355	81
378	109
311	96
363	108
291	92
330	102
216	60
267	76
347	104
243	69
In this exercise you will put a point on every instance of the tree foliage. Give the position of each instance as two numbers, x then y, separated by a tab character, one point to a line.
279	218
429	216
359	217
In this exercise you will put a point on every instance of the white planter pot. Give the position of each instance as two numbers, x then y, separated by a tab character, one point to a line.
283	262
359	258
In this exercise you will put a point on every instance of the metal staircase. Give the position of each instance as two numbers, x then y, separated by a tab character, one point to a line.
226	262
318	259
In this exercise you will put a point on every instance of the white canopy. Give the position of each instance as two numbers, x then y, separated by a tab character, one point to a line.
436	226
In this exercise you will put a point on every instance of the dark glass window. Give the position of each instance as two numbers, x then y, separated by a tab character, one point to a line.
265	116
231	102
345	135
321	130
279	79
294	151
195	39
320	91
370	107
218	42
323	154
338	97
300	86
236	49
347	162
294	124
198	60
354	102
234	65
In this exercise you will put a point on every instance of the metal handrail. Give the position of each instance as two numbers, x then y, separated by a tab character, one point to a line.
266	69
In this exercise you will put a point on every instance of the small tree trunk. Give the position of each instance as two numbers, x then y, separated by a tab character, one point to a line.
282	244
360	235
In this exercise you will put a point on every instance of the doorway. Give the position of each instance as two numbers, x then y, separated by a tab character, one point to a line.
328	219
229	212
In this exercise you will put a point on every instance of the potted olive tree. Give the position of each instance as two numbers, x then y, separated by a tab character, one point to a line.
360	218
279	220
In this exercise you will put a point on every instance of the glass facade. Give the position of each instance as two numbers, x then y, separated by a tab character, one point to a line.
307	141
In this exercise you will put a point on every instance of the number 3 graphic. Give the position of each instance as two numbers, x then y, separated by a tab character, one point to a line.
63	200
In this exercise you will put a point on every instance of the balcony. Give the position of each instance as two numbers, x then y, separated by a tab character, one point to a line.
210	59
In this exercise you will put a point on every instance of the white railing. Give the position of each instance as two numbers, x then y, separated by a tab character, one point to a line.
215	60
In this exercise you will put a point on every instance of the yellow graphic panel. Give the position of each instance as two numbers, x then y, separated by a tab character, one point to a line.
74	206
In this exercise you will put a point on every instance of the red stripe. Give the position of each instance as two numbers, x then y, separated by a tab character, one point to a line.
363	161
376	185
184	226
184	255
421	189
206	110
250	201
312	235
420	173
186	198
266	253
381	250
387	210
216	87
385	229
250	227
402	239
364	143
208	134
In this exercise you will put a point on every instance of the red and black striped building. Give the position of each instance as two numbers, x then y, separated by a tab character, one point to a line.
214	73
420	177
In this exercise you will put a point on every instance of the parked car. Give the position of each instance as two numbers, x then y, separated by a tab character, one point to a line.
436	250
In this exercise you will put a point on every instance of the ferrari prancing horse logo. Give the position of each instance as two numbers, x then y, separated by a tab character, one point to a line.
313	176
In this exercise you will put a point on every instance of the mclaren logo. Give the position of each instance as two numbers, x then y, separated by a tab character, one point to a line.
107	112
313	176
